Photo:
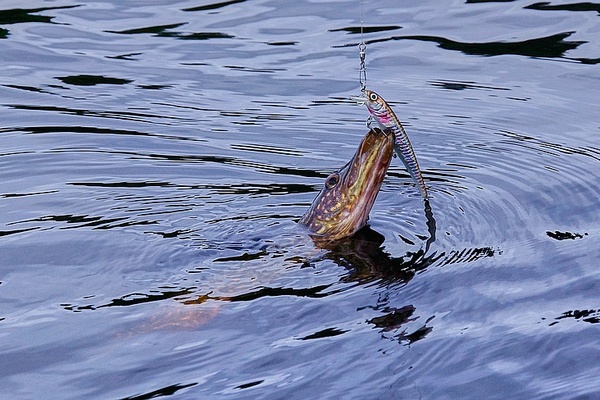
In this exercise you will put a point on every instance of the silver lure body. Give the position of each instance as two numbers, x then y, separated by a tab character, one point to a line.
388	122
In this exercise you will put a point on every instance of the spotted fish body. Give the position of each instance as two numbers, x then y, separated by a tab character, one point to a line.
387	120
345	201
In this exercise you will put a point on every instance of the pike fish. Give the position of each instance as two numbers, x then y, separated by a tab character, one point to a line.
342	207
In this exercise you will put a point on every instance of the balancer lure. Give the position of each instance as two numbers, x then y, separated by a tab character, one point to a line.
387	120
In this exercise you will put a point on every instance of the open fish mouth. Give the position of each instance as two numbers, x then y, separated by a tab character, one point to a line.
343	205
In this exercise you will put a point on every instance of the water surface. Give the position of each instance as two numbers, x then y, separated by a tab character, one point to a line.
155	157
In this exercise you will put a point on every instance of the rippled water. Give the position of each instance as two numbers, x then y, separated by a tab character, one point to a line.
155	157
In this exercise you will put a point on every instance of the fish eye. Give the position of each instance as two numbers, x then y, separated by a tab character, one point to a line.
332	181
373	96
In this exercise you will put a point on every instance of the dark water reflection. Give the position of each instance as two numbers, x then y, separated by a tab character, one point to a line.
552	46
155	158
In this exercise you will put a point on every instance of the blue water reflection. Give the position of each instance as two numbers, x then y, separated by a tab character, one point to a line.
155	159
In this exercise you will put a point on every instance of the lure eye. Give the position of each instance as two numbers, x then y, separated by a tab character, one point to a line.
373	97
332	181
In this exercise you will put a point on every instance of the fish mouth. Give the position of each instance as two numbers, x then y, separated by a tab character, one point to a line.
342	207
366	173
360	181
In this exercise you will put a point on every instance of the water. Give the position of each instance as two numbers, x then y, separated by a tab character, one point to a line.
155	157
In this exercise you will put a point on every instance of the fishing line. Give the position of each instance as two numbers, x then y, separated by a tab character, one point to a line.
362	53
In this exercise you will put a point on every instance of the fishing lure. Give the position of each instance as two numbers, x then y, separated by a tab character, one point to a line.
388	122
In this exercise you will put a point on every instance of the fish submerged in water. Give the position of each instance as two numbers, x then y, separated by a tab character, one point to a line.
387	120
339	211
342	207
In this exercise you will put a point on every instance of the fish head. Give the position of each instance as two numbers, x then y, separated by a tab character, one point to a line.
343	205
376	106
